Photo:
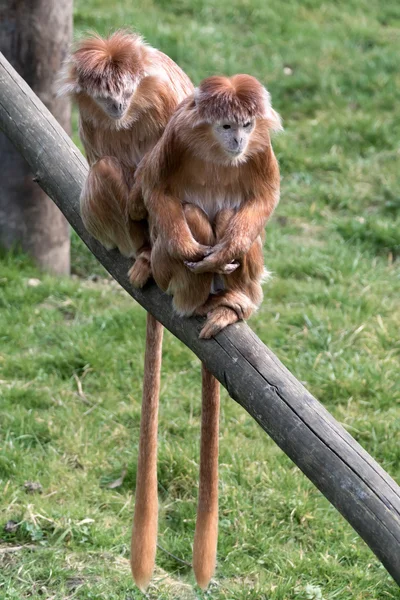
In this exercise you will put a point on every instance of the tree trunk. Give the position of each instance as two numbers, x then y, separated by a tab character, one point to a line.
34	37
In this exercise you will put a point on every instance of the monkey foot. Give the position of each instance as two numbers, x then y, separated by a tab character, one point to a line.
237	301
217	320
140	272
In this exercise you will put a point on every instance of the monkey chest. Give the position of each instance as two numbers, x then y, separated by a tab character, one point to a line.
213	200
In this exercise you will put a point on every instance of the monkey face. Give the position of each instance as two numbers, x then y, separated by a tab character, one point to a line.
116	105
233	137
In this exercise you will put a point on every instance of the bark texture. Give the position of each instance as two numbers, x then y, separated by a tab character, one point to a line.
34	37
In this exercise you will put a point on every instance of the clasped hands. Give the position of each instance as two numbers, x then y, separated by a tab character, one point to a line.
213	259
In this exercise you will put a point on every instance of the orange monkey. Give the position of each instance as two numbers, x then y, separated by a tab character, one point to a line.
209	185
126	91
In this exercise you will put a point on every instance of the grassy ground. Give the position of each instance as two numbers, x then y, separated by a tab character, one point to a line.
71	350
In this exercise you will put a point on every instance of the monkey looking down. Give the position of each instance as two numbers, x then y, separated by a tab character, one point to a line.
125	91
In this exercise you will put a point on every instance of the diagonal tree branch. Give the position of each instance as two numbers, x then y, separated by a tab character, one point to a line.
340	468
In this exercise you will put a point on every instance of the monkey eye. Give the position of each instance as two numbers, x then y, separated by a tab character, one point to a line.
247	124
226	126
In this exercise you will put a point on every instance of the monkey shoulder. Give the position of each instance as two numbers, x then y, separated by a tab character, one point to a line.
164	68
154	103
167	157
264	165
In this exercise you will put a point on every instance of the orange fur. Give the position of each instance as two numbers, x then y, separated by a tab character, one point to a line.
206	534
123	70
188	166
207	213
101	65
107	68
239	98
144	531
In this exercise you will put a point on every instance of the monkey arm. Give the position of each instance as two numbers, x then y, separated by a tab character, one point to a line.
167	216
242	231
244	228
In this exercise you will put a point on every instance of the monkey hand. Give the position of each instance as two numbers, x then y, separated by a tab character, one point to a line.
205	266
228	268
214	262
188	251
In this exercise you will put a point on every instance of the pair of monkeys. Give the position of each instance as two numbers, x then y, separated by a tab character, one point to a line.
183	180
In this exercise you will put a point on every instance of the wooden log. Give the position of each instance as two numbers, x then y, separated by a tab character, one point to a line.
339	467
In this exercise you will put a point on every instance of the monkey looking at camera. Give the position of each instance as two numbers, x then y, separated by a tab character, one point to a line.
209	185
126	91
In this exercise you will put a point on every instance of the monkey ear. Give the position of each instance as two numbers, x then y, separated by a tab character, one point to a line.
68	88
273	118
197	97
67	81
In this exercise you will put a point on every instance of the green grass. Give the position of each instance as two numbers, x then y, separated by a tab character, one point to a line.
71	350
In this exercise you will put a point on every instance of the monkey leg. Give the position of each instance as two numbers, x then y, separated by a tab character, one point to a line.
140	271
171	275
242	292
237	301
206	534
218	229
144	531
217	319
162	265
104	208
188	290
252	264
221	222
248	277
199	224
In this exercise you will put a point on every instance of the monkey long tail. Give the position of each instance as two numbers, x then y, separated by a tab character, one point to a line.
206	534
145	520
